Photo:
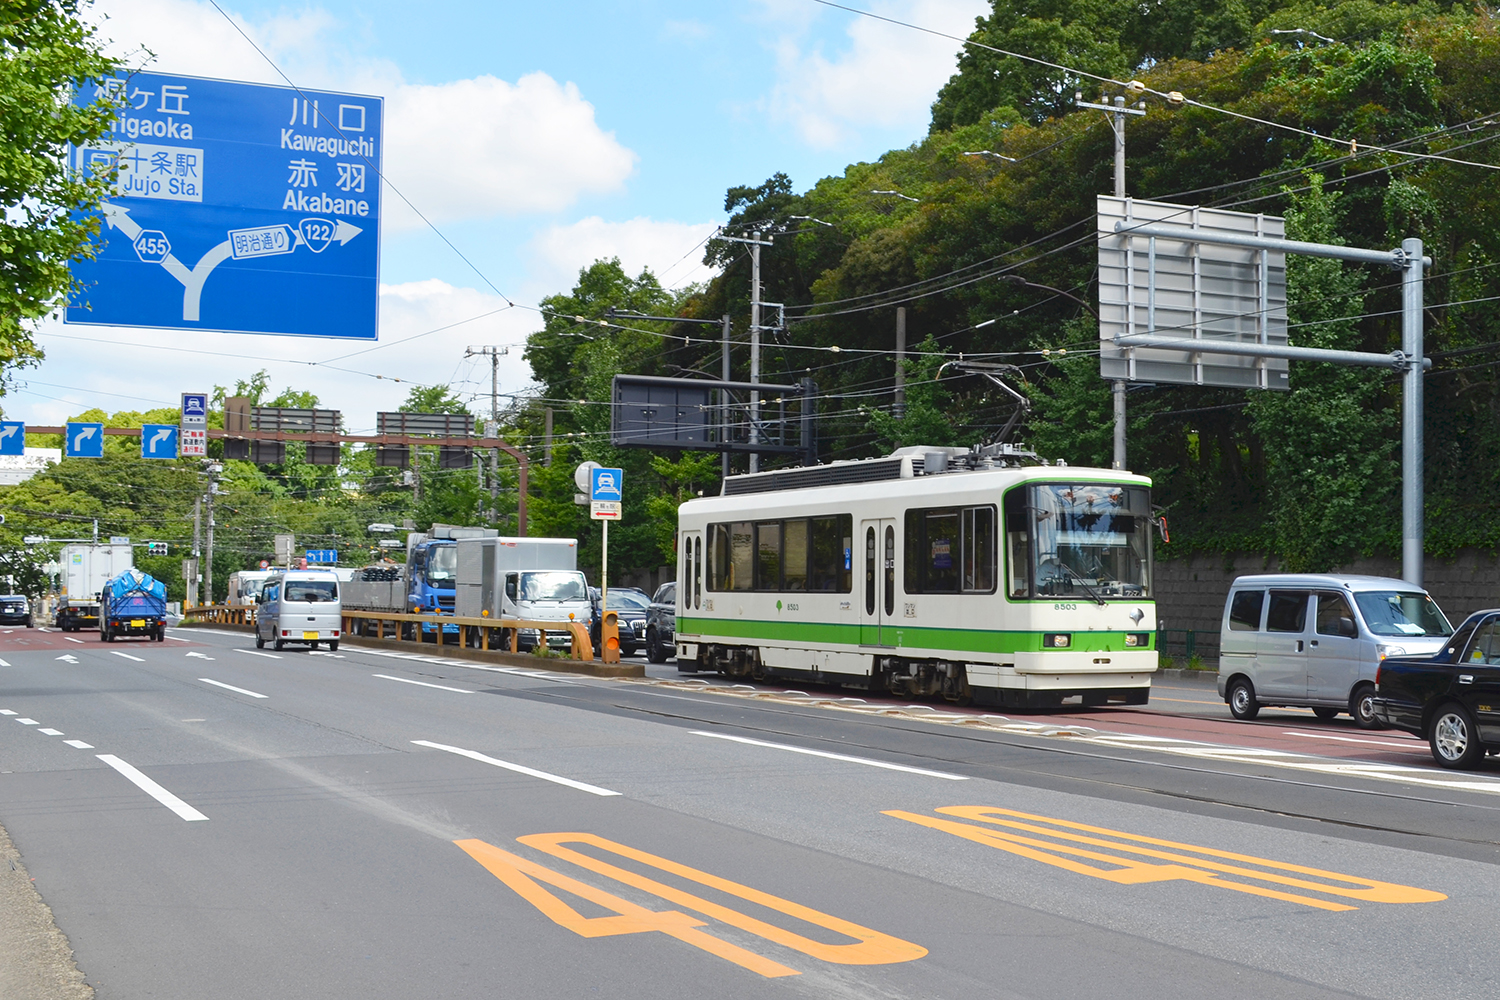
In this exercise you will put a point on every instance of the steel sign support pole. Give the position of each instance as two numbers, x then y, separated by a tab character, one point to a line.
755	346
1118	388
1412	459
724	401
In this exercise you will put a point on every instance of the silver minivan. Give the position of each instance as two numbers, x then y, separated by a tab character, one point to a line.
299	605
1315	640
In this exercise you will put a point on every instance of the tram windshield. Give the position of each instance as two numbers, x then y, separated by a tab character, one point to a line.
1086	541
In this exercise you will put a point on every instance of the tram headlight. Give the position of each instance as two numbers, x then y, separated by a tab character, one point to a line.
1137	640
1057	640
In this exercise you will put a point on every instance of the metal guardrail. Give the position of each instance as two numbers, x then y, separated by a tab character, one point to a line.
222	614
477	633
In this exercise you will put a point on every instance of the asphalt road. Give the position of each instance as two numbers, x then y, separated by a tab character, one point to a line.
207	820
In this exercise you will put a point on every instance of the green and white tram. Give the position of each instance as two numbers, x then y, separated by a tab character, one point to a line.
929	572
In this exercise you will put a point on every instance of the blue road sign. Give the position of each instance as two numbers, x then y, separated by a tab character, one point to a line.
159	441
605	484
328	556
84	441
194	409
237	207
12	437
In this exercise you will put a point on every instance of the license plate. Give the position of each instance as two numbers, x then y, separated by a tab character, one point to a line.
309	635
137	623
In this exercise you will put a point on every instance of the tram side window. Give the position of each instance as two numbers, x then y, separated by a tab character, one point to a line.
793	555
950	550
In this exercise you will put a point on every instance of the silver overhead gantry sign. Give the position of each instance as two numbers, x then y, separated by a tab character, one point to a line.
1125	339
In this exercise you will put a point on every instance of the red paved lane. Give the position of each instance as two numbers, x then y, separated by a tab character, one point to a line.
21	640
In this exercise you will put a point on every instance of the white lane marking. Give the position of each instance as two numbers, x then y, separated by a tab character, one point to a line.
4	664
1412	747
255	652
201	656
28	722
50	732
231	687
151	788
127	656
68	658
178	638
832	756
6	711
475	755
69	638
79	744
403	680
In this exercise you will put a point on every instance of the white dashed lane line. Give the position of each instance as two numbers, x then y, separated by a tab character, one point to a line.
231	687
69	638
152	789
519	769
50	732
440	687
79	744
253	652
127	656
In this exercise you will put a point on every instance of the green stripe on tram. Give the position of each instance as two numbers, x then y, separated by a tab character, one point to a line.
908	636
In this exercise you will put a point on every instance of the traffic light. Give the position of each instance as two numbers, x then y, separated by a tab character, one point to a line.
156	548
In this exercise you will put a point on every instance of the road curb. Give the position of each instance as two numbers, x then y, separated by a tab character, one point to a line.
36	960
1194	676
591	668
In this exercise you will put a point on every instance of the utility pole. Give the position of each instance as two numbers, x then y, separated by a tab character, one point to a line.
192	583
724	402
214	469
1117	113
547	439
898	408
493	351
755	242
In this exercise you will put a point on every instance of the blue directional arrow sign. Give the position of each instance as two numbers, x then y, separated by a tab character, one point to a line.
606	484
323	556
159	441
236	207
12	437
84	441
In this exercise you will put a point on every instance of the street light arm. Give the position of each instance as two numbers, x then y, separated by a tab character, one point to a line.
1016	279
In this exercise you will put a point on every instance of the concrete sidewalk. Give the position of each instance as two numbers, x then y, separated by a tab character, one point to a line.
36	961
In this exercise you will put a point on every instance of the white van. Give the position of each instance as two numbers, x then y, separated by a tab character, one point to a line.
299	605
1316	640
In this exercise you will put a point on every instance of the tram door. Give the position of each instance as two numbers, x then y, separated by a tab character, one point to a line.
878	590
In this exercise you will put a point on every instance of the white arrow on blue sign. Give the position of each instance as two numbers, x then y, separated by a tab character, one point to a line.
12	437
606	484
159	441
84	441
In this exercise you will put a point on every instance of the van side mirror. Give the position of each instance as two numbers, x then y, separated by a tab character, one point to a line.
1346	628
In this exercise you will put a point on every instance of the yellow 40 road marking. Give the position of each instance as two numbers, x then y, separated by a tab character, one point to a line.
1071	846
868	948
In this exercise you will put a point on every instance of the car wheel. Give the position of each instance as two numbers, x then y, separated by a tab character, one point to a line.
333	647
260	643
1241	698
1362	707
1325	713
278	645
654	651
312	645
1454	738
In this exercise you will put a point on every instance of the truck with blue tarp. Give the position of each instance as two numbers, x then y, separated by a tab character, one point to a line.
133	603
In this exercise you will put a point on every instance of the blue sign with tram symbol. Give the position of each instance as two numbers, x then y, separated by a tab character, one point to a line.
159	441
236	207
12	437
83	440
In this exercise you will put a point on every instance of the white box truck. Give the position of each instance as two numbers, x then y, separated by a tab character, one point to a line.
527	578
85	570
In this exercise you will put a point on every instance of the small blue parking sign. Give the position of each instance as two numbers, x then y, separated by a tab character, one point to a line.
605	484
159	441
12	437
84	441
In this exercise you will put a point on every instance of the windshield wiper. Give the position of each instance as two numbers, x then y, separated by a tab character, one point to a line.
1087	589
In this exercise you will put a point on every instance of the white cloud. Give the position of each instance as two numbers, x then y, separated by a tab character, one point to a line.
462	150
671	250
888	76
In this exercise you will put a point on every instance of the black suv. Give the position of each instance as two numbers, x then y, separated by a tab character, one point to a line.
661	624
15	609
629	605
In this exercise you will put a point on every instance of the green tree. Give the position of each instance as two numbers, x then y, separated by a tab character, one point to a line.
47	211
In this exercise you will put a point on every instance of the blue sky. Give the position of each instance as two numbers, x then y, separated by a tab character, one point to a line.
539	137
